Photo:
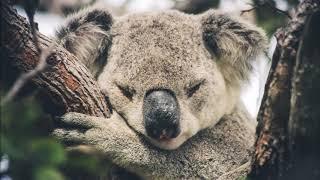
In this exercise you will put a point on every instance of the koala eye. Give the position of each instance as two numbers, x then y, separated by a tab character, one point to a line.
191	90
126	91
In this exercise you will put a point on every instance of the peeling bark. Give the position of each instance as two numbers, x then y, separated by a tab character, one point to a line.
65	85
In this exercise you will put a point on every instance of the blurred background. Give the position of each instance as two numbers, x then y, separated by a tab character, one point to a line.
27	151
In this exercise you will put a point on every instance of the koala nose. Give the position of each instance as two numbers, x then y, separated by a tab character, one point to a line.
161	115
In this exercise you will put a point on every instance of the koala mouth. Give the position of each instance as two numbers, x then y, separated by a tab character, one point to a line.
168	144
163	143
166	136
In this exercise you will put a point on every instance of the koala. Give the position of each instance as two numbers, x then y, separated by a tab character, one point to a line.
168	76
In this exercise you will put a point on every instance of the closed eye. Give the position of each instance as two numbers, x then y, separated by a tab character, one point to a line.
190	91
127	91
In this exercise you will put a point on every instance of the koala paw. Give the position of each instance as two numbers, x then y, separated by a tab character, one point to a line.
101	133
76	128
109	137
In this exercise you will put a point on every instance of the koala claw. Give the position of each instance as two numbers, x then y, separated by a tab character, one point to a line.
69	136
81	120
73	127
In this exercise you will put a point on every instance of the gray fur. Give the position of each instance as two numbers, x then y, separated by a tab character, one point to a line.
86	35
176	51
222	152
166	50
234	42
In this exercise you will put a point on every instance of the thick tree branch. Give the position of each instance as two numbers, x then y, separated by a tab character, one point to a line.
65	85
304	124
271	154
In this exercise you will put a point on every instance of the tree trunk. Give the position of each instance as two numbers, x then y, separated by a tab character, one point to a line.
65	85
304	123
287	132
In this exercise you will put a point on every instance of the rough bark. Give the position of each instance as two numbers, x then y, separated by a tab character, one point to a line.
65	85
272	153
304	124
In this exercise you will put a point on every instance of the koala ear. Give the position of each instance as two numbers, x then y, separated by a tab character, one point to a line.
234	42
86	35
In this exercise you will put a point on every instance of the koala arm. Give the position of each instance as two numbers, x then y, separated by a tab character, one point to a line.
119	143
216	153
86	35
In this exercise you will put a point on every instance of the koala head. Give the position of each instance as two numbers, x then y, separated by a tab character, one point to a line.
169	74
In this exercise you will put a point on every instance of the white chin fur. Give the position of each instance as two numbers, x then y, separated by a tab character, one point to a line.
188	130
171	144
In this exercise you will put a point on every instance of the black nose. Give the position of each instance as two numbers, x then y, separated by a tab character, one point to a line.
161	114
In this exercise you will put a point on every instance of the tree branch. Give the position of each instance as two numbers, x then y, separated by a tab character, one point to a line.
65	85
304	124
271	156
25	77
268	5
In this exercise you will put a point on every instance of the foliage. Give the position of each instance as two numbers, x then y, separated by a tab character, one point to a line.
268	17
243	178
32	153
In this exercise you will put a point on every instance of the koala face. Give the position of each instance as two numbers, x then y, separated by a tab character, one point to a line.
170	75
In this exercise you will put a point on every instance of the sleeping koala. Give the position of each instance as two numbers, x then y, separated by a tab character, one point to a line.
167	76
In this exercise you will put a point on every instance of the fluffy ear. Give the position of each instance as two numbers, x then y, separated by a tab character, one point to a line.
234	42
86	35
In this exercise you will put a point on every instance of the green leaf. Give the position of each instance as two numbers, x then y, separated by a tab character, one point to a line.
47	152
47	173
243	178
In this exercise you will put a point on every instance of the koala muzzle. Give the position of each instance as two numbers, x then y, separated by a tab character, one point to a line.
161	115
